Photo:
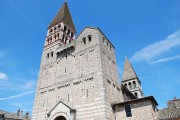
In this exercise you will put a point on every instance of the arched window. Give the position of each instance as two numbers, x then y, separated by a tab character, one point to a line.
103	39
52	54
65	28
47	40
59	25
135	94
55	28
107	43
72	34
69	32
125	84
134	84
89	38
84	40
110	47
58	35
47	56
130	86
50	30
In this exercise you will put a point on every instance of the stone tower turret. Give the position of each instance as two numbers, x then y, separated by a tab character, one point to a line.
131	80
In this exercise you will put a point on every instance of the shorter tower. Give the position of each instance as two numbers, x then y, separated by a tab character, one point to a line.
131	80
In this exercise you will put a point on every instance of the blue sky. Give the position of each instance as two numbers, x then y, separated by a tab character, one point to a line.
147	31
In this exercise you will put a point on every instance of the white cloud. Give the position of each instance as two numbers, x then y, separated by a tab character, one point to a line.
29	85
3	76
154	50
18	95
166	59
33	72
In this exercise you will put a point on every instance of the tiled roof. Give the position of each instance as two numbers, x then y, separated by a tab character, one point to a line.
128	72
167	114
63	15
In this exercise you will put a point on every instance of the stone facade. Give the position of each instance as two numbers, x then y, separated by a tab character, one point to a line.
139	109
78	78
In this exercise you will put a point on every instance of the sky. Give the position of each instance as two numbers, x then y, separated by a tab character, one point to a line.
146	31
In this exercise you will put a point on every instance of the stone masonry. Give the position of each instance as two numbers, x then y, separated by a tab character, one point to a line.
78	78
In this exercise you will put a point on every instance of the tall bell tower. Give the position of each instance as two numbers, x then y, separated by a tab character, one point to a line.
59	44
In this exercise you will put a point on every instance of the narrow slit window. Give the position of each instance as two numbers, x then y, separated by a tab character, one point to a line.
87	92
68	97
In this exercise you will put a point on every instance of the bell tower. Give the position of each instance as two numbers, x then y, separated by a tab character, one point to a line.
61	30
131	80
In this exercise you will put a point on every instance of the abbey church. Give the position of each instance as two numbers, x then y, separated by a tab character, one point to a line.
78	78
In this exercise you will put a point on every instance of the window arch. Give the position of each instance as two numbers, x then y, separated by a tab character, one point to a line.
58	35
125	84
72	34
130	85
84	40
135	94
59	25
52	54
107	43
65	28
89	38
47	56
103	39
134	84
69	32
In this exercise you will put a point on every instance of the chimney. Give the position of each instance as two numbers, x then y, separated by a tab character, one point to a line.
27	116
21	114
18	112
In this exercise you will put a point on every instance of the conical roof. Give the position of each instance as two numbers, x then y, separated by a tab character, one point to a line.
128	72
63	15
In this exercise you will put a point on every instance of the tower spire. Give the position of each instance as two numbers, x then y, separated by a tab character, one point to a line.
131	80
63	15
128	72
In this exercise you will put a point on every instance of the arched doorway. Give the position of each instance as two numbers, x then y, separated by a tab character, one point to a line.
60	118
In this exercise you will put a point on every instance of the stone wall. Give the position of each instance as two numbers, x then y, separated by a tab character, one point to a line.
142	109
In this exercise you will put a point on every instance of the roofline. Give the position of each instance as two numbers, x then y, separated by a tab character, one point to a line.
97	28
58	104
136	100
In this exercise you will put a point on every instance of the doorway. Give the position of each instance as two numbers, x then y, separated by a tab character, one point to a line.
60	118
